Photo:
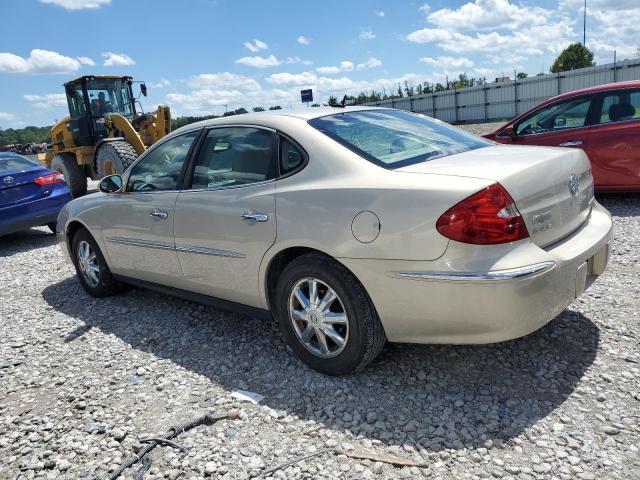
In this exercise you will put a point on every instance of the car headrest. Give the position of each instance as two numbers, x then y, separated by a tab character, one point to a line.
620	110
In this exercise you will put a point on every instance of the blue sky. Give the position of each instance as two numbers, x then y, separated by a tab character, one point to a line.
198	55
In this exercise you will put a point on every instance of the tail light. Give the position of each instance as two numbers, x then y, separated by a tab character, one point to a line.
50	179
488	217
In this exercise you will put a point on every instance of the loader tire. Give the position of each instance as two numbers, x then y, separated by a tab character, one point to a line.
114	158
74	174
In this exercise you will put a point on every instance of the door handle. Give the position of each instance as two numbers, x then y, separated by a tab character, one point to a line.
158	214
571	143
256	217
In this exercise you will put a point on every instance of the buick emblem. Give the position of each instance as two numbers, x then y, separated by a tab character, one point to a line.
574	186
8	180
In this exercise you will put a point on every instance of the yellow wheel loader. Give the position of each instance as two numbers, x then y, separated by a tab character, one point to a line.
104	133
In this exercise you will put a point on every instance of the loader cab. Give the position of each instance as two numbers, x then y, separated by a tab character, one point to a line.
90	98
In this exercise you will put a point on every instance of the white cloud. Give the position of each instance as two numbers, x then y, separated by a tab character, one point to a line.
7	116
302	40
346	66
39	61
259	62
371	63
78	4
48	100
447	62
367	35
86	61
161	84
328	70
222	80
378	13
489	15
117	60
507	58
256	46
425	8
303	78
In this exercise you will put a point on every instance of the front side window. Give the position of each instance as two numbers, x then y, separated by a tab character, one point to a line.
620	106
392	138
233	156
76	100
160	169
556	117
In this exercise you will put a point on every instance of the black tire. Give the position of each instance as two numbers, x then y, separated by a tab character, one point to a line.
114	157
74	174
106	285
366	336
52	227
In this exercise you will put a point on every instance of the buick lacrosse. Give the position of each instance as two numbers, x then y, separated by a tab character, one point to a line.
350	226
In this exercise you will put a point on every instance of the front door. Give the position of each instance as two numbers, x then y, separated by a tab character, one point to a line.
614	142
226	222
561	124
138	232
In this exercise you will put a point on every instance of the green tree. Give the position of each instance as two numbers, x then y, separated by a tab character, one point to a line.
522	75
333	101
574	56
315	104
277	107
258	109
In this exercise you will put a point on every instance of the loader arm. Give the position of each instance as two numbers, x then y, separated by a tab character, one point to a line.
122	124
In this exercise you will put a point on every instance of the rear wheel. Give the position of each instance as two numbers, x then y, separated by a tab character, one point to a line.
74	174
326	316
114	157
91	267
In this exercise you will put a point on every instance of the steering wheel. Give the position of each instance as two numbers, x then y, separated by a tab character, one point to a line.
140	186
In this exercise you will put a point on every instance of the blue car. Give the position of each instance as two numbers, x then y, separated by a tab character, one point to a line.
30	195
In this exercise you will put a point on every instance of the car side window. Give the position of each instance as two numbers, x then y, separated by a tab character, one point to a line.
620	106
290	156
559	116
232	156
160	169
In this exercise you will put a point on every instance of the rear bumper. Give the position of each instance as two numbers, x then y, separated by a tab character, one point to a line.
33	214
484	294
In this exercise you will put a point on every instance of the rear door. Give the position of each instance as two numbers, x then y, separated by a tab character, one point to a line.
561	124
138	223
614	141
226	221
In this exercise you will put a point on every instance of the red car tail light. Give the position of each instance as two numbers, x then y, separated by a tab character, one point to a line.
50	179
488	217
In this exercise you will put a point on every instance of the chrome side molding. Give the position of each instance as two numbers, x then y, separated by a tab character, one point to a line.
490	276
171	246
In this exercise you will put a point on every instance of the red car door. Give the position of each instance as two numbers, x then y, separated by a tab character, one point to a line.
613	145
561	124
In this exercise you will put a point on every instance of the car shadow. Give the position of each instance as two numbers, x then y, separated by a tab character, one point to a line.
620	204
428	396
25	241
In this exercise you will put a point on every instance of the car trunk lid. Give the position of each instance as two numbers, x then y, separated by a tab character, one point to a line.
18	186
552	187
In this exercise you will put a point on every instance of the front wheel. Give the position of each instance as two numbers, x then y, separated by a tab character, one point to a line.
326	316
91	268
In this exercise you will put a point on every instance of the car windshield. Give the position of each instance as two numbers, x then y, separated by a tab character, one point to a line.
393	138
11	163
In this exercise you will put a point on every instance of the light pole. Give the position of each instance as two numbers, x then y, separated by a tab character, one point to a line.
584	25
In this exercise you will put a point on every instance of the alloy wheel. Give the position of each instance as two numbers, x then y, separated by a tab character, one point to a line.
88	264
318	317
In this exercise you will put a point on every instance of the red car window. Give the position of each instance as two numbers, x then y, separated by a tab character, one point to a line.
571	113
620	106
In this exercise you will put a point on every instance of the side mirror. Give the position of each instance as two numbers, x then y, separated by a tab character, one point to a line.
110	184
143	89
510	132
560	122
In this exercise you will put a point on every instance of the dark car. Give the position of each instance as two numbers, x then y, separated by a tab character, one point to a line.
30	195
604	121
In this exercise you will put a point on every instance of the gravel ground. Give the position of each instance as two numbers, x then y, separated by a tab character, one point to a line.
83	380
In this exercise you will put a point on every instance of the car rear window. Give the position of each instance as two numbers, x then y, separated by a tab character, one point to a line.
12	163
393	138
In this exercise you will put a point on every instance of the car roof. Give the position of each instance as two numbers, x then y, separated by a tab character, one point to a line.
264	117
597	88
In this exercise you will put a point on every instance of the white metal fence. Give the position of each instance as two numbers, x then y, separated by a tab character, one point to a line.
500	100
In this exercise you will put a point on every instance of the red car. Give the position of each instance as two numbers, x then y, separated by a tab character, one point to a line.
604	121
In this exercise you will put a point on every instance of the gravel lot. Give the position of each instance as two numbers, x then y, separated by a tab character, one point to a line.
83	380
